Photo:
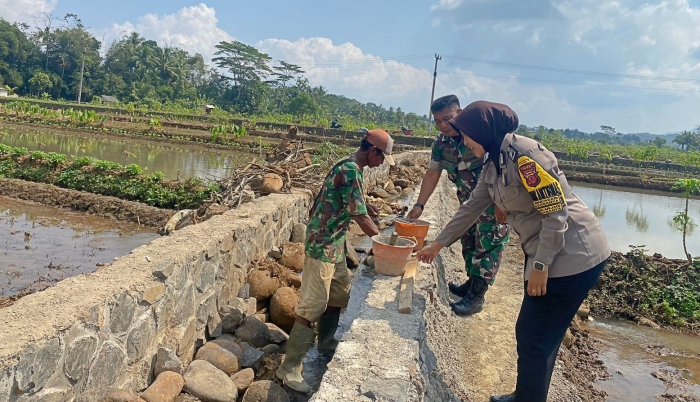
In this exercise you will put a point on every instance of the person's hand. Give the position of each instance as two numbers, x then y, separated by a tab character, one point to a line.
372	210
428	253
537	284
501	217
415	213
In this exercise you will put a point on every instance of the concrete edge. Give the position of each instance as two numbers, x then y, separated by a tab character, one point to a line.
50	313
385	352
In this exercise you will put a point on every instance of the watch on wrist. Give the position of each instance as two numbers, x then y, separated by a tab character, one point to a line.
540	266
419	205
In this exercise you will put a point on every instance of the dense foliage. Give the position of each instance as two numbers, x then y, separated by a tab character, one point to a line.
578	145
46	62
102	177
636	285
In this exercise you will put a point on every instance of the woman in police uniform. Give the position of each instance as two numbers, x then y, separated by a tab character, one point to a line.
564	245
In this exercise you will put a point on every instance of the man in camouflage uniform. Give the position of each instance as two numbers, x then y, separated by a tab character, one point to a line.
326	280
483	244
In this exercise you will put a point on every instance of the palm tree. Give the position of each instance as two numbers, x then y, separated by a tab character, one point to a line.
687	140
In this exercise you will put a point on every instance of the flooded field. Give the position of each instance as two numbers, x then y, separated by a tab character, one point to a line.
41	245
172	160
635	217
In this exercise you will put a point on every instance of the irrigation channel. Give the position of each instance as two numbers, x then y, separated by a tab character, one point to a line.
43	245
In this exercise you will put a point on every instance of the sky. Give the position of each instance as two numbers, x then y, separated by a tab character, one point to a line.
630	64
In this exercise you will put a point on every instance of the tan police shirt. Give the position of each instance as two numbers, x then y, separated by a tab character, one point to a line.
554	225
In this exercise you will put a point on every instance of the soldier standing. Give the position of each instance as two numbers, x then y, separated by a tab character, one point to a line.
483	243
326	280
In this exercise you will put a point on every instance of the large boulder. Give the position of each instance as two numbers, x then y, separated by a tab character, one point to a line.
243	379
277	335
271	183
262	284
293	256
208	383
107	395
167	360
282	306
222	354
253	331
165	388
298	233
265	391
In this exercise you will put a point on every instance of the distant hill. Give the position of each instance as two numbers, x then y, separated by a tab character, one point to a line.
624	138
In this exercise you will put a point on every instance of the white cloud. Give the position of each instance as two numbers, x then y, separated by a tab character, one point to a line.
535	39
346	69
194	28
25	10
446	5
649	38
436	22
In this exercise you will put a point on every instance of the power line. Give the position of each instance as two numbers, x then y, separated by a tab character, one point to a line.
571	71
541	80
574	83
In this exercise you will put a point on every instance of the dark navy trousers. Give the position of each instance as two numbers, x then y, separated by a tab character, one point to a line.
541	327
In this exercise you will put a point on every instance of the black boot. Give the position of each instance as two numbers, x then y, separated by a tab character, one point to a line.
474	302
503	398
460	290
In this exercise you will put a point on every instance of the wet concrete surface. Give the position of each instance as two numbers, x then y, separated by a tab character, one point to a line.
42	245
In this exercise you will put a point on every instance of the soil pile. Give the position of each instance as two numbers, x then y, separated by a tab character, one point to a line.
649	289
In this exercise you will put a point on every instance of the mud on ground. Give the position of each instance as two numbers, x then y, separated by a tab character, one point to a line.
100	205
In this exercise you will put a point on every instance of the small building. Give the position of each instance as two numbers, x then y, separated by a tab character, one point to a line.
109	99
209	108
4	92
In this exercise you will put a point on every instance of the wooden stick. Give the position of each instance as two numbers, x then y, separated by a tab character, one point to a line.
406	289
394	237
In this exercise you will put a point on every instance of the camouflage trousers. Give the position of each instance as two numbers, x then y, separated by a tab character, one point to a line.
482	246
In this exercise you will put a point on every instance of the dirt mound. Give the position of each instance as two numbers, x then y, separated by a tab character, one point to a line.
649	289
282	306
100	205
293	256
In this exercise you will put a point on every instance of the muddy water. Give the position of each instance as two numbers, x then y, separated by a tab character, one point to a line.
172	161
41	246
632	217
640	358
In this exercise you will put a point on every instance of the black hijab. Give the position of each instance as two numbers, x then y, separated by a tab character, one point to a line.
487	123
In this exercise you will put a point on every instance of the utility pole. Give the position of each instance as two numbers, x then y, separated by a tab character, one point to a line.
432	95
82	70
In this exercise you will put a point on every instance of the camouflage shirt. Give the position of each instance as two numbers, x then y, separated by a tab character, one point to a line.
340	198
463	167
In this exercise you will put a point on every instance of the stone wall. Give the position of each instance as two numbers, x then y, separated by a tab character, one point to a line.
104	328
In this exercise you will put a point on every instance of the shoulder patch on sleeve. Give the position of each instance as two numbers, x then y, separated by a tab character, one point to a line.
545	191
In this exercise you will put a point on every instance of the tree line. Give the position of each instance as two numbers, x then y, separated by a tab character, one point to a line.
59	59
686	141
